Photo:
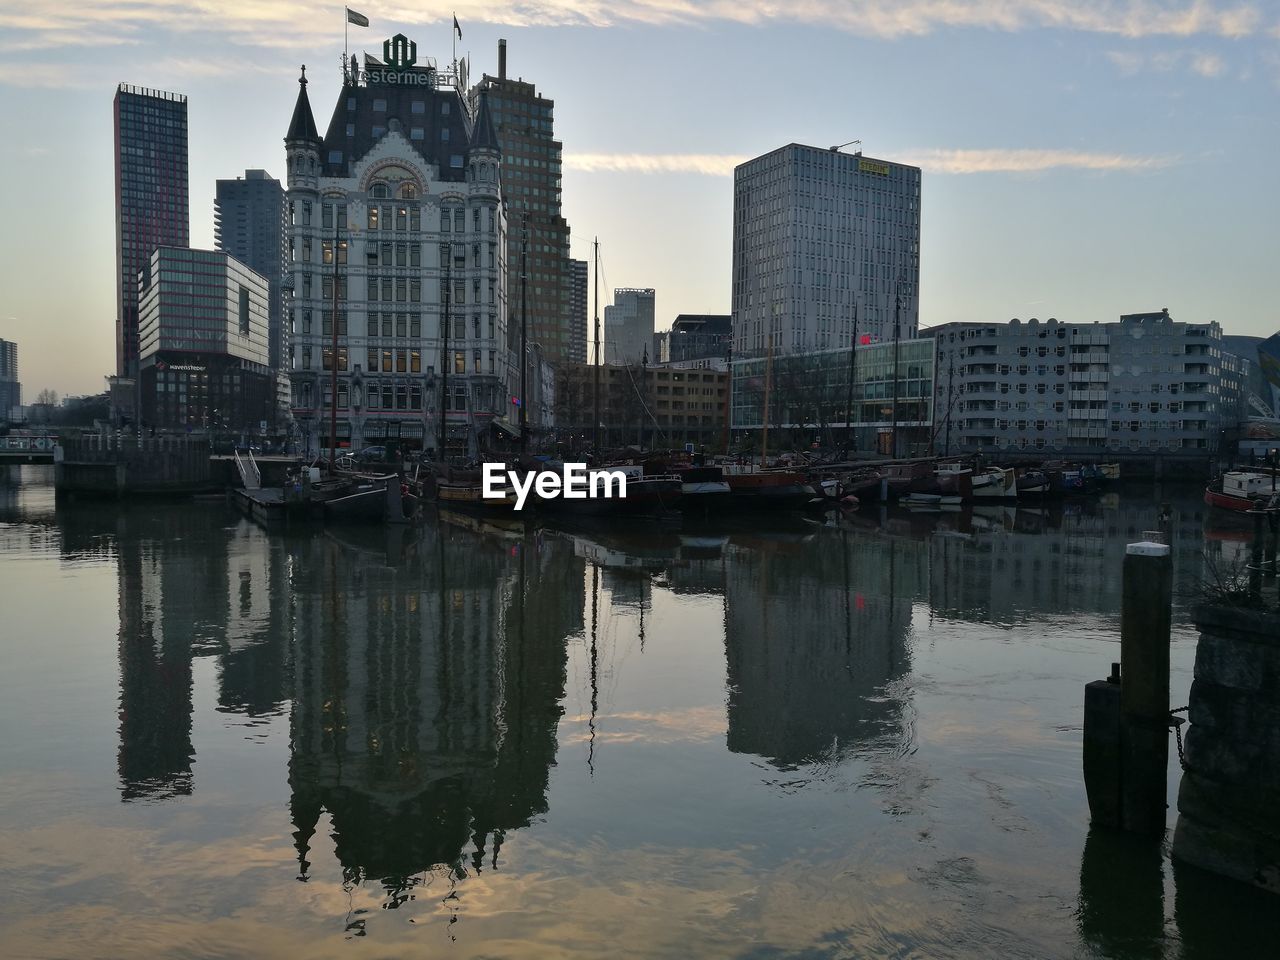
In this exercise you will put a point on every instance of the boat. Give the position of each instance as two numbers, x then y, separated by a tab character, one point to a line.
647	495
906	478
931	501
1242	491
1033	483
995	483
768	488
703	489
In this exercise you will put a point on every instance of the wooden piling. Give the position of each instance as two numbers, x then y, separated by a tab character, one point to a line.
1145	619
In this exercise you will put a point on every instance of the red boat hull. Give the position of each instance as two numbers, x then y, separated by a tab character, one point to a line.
1224	501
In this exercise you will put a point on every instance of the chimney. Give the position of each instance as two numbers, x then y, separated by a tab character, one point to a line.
502	59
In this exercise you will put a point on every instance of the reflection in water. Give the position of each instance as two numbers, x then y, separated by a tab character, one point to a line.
426	696
421	677
815	632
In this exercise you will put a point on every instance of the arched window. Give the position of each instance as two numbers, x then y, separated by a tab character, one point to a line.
408	191
379	191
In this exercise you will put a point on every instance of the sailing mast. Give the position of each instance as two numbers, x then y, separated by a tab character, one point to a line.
853	366
893	435
447	251
524	334
595	366
768	385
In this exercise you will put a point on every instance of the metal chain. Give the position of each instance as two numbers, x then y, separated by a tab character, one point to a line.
1176	722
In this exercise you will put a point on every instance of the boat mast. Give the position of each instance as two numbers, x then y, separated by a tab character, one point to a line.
951	401
595	366
333	355
853	366
447	251
524	333
893	433
768	385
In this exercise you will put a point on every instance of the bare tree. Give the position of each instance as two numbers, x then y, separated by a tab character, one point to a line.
47	396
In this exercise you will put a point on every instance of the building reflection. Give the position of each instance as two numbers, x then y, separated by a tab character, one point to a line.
426	695
1000	565
816	631
172	600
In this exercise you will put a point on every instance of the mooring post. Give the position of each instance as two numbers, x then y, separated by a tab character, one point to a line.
1145	617
1102	749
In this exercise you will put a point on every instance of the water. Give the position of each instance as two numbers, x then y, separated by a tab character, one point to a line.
480	741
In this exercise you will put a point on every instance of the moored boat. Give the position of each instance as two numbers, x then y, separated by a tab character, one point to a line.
1241	491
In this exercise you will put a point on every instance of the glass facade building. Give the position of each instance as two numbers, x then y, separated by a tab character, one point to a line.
203	344
809	396
818	235
151	198
10	387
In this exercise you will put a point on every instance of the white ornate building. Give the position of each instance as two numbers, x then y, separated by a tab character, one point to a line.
399	206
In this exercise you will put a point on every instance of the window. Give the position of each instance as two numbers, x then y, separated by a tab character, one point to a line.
415	254
401	361
401	324
373	361
379	191
373	218
459	362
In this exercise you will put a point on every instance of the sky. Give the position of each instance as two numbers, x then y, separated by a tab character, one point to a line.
1082	158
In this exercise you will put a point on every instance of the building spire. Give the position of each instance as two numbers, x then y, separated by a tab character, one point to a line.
303	124
482	135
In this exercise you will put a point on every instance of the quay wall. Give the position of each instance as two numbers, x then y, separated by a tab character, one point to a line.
112	465
1230	791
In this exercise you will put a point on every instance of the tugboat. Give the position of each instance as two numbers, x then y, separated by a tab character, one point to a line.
1241	491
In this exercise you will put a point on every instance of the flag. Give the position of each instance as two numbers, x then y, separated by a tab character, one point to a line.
359	19
456	27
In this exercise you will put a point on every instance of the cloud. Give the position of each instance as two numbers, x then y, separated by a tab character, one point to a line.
946	161
1130	62
265	22
53	76
712	164
1030	161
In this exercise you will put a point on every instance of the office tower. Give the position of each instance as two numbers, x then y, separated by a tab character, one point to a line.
817	234
249	223
10	387
579	312
628	326
202	334
151	198
523	122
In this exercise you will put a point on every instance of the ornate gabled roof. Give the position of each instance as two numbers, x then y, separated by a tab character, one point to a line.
303	124
482	135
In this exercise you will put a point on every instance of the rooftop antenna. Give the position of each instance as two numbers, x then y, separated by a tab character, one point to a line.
840	146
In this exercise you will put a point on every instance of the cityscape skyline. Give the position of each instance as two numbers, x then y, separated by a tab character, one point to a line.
1060	179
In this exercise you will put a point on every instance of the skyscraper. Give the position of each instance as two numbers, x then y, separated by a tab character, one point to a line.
579	312
523	123
10	388
817	234
249	223
628	326
151	198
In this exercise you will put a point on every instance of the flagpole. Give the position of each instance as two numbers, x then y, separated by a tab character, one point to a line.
346	30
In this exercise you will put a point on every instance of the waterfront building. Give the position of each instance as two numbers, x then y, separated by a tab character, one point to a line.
151	198
10	386
818	234
524	124
1144	384
628	326
396	218
650	406
695	337
249	223
579	312
203	330
810	399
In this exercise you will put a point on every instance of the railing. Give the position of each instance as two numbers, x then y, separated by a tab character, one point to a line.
250	478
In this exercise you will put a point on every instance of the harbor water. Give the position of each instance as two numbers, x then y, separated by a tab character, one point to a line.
853	738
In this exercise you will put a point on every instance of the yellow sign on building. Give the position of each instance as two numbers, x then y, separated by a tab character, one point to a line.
873	166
